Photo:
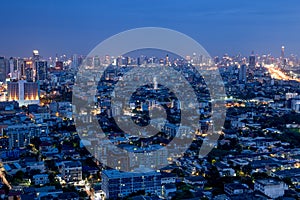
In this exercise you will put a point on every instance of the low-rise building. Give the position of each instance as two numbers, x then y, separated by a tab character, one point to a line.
270	187
117	184
40	179
72	171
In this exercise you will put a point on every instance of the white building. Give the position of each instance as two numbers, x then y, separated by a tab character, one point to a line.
270	187
40	179
72	171
120	184
296	105
19	135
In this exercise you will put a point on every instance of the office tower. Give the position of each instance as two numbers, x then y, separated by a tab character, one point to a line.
28	70
2	69
75	61
41	69
20	69
13	68
252	61
283	60
29	73
243	74
96	61
23	92
119	61
36	55
117	184
167	60
282	52
127	61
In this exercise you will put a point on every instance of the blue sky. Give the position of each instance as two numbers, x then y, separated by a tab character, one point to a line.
221	26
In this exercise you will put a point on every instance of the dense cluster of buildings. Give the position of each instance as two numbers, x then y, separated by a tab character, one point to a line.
257	155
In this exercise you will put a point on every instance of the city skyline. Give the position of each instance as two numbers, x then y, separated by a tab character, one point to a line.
221	27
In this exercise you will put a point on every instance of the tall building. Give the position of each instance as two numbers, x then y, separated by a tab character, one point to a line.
23	92
252	61
29	73
28	70
282	52
13	68
75	61
283	60
36	55
21	68
243	74
41	69
96	61
2	69
117	184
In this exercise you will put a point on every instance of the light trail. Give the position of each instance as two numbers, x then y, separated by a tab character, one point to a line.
276	73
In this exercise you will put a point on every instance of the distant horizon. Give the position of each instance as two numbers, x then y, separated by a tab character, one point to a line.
130	53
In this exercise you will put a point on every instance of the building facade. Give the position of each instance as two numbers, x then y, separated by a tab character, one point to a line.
270	187
118	184
72	171
23	92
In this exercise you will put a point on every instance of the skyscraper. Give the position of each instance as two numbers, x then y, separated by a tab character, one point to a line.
282	52
283	60
2	69
36	55
243	74
252	61
41	69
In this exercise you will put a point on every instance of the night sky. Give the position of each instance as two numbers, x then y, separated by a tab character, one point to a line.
221	26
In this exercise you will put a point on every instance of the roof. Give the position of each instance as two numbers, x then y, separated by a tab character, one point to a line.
118	174
68	195
170	186
71	164
195	178
236	186
288	173
268	182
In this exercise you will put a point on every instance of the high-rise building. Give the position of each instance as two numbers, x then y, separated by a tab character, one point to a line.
29	73
75	61
283	60
243	74
282	52
23	92
36	55
96	62
41	69
252	61
3	71
117	184
21	68
28	70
